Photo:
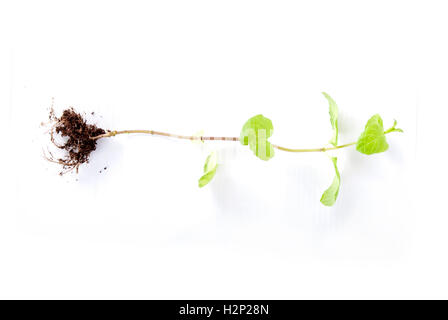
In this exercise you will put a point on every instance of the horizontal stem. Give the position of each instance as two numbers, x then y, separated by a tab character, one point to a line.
204	138
314	149
164	134
324	149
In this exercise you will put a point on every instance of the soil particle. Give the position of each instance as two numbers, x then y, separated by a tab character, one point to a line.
78	134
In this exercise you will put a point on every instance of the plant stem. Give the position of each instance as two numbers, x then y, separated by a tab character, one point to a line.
314	149
204	138
164	134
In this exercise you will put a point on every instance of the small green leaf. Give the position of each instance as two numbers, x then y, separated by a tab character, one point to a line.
334	114
372	140
211	163
393	129
255	133
331	194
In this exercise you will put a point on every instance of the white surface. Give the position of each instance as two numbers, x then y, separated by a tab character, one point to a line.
142	228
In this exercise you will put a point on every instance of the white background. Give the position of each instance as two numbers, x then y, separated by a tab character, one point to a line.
143	229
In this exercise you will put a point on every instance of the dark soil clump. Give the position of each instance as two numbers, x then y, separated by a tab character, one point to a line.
78	139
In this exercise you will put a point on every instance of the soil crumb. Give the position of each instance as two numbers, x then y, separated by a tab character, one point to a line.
77	134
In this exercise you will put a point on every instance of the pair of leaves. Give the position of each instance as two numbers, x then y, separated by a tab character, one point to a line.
331	194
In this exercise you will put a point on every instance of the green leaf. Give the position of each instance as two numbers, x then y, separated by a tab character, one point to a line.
255	133
331	194
393	129
372	140
334	114
211	163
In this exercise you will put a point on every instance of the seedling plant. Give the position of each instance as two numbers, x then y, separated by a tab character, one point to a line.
81	138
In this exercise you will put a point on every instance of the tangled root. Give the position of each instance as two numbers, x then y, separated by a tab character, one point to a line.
78	136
